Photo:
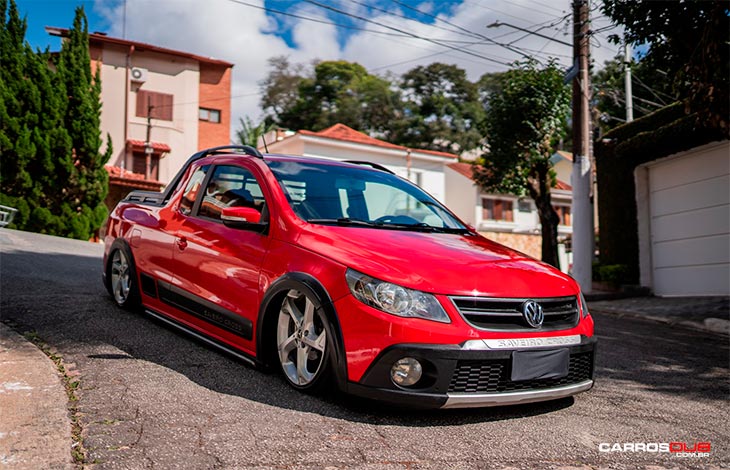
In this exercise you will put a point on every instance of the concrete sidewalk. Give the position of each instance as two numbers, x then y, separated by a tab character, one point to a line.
35	429
711	314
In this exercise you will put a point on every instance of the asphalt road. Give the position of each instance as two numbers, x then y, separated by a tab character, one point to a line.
153	398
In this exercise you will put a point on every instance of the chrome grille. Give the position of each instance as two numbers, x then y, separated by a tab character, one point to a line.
490	376
506	314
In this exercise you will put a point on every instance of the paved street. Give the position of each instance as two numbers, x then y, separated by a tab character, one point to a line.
152	398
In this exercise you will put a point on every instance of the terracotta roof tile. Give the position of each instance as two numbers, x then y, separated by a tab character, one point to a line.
563	185
462	168
465	169
121	177
347	134
159	146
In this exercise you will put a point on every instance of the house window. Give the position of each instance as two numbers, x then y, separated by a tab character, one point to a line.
159	105
497	209
209	115
524	205
563	214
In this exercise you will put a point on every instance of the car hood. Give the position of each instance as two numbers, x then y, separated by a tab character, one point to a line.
450	264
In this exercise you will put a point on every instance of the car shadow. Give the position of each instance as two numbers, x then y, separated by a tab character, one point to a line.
662	358
61	297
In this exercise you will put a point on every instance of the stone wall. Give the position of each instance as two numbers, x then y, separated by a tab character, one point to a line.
528	244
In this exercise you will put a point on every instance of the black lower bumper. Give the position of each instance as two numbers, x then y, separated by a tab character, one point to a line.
455	377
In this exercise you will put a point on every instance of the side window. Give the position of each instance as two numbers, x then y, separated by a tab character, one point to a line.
191	190
231	186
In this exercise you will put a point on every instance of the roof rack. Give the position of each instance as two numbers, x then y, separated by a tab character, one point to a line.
247	149
370	164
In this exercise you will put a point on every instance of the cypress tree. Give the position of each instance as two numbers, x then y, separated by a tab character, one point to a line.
50	166
84	202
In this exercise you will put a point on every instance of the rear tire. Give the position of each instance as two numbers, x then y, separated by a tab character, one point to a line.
304	342
122	277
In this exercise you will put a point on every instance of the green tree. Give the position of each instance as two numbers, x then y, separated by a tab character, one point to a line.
32	137
651	91
50	171
442	107
690	42
249	132
524	123
84	199
280	88
333	92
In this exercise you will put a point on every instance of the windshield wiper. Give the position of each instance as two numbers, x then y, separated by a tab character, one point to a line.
424	227
344	221
421	227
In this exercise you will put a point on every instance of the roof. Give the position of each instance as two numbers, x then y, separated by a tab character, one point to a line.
462	168
465	169
121	177
139	144
99	38
347	134
566	155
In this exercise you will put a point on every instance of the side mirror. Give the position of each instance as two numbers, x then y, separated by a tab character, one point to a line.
243	218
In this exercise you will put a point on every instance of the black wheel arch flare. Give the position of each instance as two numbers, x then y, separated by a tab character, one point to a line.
311	286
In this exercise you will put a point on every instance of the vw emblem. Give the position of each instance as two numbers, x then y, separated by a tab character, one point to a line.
532	311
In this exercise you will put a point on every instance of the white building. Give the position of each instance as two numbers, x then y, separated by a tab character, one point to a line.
339	142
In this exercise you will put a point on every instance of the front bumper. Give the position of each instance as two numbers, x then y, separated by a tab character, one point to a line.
455	376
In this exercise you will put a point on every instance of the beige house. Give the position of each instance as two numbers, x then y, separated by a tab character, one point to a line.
159	106
339	142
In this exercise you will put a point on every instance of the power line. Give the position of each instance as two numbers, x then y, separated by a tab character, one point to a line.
387	12
481	36
416	36
532	8
315	20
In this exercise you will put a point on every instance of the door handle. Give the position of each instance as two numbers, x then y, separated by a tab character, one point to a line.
182	243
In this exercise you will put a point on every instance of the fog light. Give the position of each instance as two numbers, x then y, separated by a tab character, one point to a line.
406	372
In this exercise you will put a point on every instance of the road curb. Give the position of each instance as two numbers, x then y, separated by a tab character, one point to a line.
717	326
35	431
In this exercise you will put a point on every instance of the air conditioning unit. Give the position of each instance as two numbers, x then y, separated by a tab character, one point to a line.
138	74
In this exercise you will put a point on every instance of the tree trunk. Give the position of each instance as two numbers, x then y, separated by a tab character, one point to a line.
549	220
539	189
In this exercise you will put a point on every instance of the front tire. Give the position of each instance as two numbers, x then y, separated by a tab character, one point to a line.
123	279
303	342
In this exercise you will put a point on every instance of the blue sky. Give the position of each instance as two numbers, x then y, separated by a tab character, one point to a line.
385	36
60	13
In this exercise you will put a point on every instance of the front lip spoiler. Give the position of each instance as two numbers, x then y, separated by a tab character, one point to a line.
473	400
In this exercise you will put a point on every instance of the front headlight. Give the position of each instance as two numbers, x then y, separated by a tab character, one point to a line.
583	305
394	299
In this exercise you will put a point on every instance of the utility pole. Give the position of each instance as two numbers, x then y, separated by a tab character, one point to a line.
627	83
148	143
582	174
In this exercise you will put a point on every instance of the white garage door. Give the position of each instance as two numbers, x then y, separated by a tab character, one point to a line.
690	222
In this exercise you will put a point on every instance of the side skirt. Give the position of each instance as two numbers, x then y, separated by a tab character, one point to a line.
210	341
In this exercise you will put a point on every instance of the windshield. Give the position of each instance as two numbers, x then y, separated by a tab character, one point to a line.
332	194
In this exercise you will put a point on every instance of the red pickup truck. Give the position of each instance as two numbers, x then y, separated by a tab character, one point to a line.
341	273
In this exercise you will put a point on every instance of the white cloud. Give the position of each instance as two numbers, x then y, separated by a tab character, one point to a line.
245	36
